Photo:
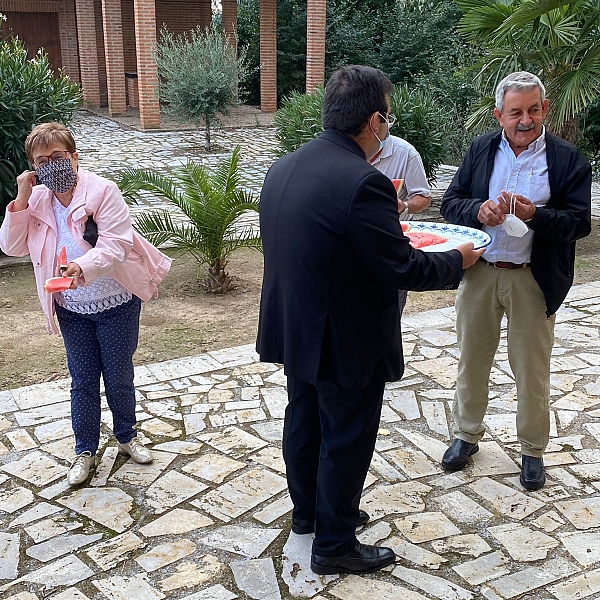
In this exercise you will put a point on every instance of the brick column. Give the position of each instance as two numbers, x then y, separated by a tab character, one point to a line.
113	51
229	20
268	55
144	12
88	52
316	12
68	39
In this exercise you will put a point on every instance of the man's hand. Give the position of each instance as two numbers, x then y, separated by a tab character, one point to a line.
74	271
491	214
469	255
523	207
25	182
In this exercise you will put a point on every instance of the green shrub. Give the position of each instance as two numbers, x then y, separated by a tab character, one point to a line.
298	120
420	122
29	94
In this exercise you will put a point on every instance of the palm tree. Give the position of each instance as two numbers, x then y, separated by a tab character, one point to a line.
212	204
559	40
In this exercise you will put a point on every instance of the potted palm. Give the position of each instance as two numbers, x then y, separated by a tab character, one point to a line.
205	221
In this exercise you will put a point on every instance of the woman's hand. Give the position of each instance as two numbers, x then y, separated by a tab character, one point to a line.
74	271
25	182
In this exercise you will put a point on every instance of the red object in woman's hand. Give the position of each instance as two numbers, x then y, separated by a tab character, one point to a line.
62	260
57	284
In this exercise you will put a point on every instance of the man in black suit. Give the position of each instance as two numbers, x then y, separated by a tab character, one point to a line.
334	257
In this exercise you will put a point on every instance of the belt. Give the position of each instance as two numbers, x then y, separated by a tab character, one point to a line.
505	265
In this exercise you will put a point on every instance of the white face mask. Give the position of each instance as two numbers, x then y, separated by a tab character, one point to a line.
512	224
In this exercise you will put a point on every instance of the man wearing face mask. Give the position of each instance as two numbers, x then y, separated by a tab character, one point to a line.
334	258
531	191
400	160
112	272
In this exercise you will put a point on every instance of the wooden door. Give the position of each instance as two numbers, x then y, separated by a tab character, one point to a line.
35	30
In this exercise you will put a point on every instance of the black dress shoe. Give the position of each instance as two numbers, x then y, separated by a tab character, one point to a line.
363	559
457	455
532	473
302	527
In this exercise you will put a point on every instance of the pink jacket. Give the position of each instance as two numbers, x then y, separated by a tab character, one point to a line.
120	252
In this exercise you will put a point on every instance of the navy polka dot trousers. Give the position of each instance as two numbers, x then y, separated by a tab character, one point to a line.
101	344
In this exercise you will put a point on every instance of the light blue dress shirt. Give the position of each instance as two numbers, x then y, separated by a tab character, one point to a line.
526	174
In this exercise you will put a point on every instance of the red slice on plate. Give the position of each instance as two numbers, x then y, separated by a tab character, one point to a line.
405	226
420	240
62	260
57	284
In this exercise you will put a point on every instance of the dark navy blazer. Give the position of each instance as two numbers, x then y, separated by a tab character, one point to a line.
334	257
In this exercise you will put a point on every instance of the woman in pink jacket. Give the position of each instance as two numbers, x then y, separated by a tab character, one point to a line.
113	270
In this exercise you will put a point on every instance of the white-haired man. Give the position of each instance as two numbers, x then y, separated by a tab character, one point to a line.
526	271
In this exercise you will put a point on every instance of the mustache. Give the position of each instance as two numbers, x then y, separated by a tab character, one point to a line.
521	127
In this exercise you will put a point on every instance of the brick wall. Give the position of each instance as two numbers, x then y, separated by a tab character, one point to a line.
27	6
268	55
145	40
113	48
315	43
184	15
88	52
68	39
101	59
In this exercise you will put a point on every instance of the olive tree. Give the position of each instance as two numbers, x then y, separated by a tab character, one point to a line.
199	73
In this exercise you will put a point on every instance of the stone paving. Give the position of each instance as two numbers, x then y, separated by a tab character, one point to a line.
210	518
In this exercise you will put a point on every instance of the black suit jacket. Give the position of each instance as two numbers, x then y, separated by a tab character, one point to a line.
565	219
334	257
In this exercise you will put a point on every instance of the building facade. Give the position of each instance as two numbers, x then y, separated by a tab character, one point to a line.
106	45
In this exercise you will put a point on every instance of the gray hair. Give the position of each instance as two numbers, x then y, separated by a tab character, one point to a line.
521	81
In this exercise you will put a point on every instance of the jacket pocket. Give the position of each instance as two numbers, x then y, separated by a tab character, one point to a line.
36	234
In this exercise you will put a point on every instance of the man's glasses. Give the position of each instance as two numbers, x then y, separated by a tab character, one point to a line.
42	161
391	119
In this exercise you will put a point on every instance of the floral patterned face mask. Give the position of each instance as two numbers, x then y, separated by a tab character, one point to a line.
58	175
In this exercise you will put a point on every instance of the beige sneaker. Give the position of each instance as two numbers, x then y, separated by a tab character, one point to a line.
80	468
138	452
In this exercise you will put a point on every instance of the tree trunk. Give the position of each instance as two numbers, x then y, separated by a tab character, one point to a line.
570	130
218	281
207	134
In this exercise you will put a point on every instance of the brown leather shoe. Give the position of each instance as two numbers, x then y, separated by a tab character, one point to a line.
363	559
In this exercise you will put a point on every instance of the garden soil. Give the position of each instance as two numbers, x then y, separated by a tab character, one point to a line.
182	321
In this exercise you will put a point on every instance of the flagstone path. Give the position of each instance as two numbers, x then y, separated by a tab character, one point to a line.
210	518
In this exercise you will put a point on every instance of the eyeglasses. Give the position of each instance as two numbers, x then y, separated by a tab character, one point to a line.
391	119
42	161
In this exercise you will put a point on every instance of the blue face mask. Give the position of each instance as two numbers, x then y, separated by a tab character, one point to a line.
384	140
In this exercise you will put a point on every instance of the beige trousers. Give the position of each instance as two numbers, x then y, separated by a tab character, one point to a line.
484	296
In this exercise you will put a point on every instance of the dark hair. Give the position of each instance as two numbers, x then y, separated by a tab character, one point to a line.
352	94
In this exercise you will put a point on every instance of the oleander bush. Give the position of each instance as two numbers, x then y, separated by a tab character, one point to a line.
298	120
30	94
420	121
